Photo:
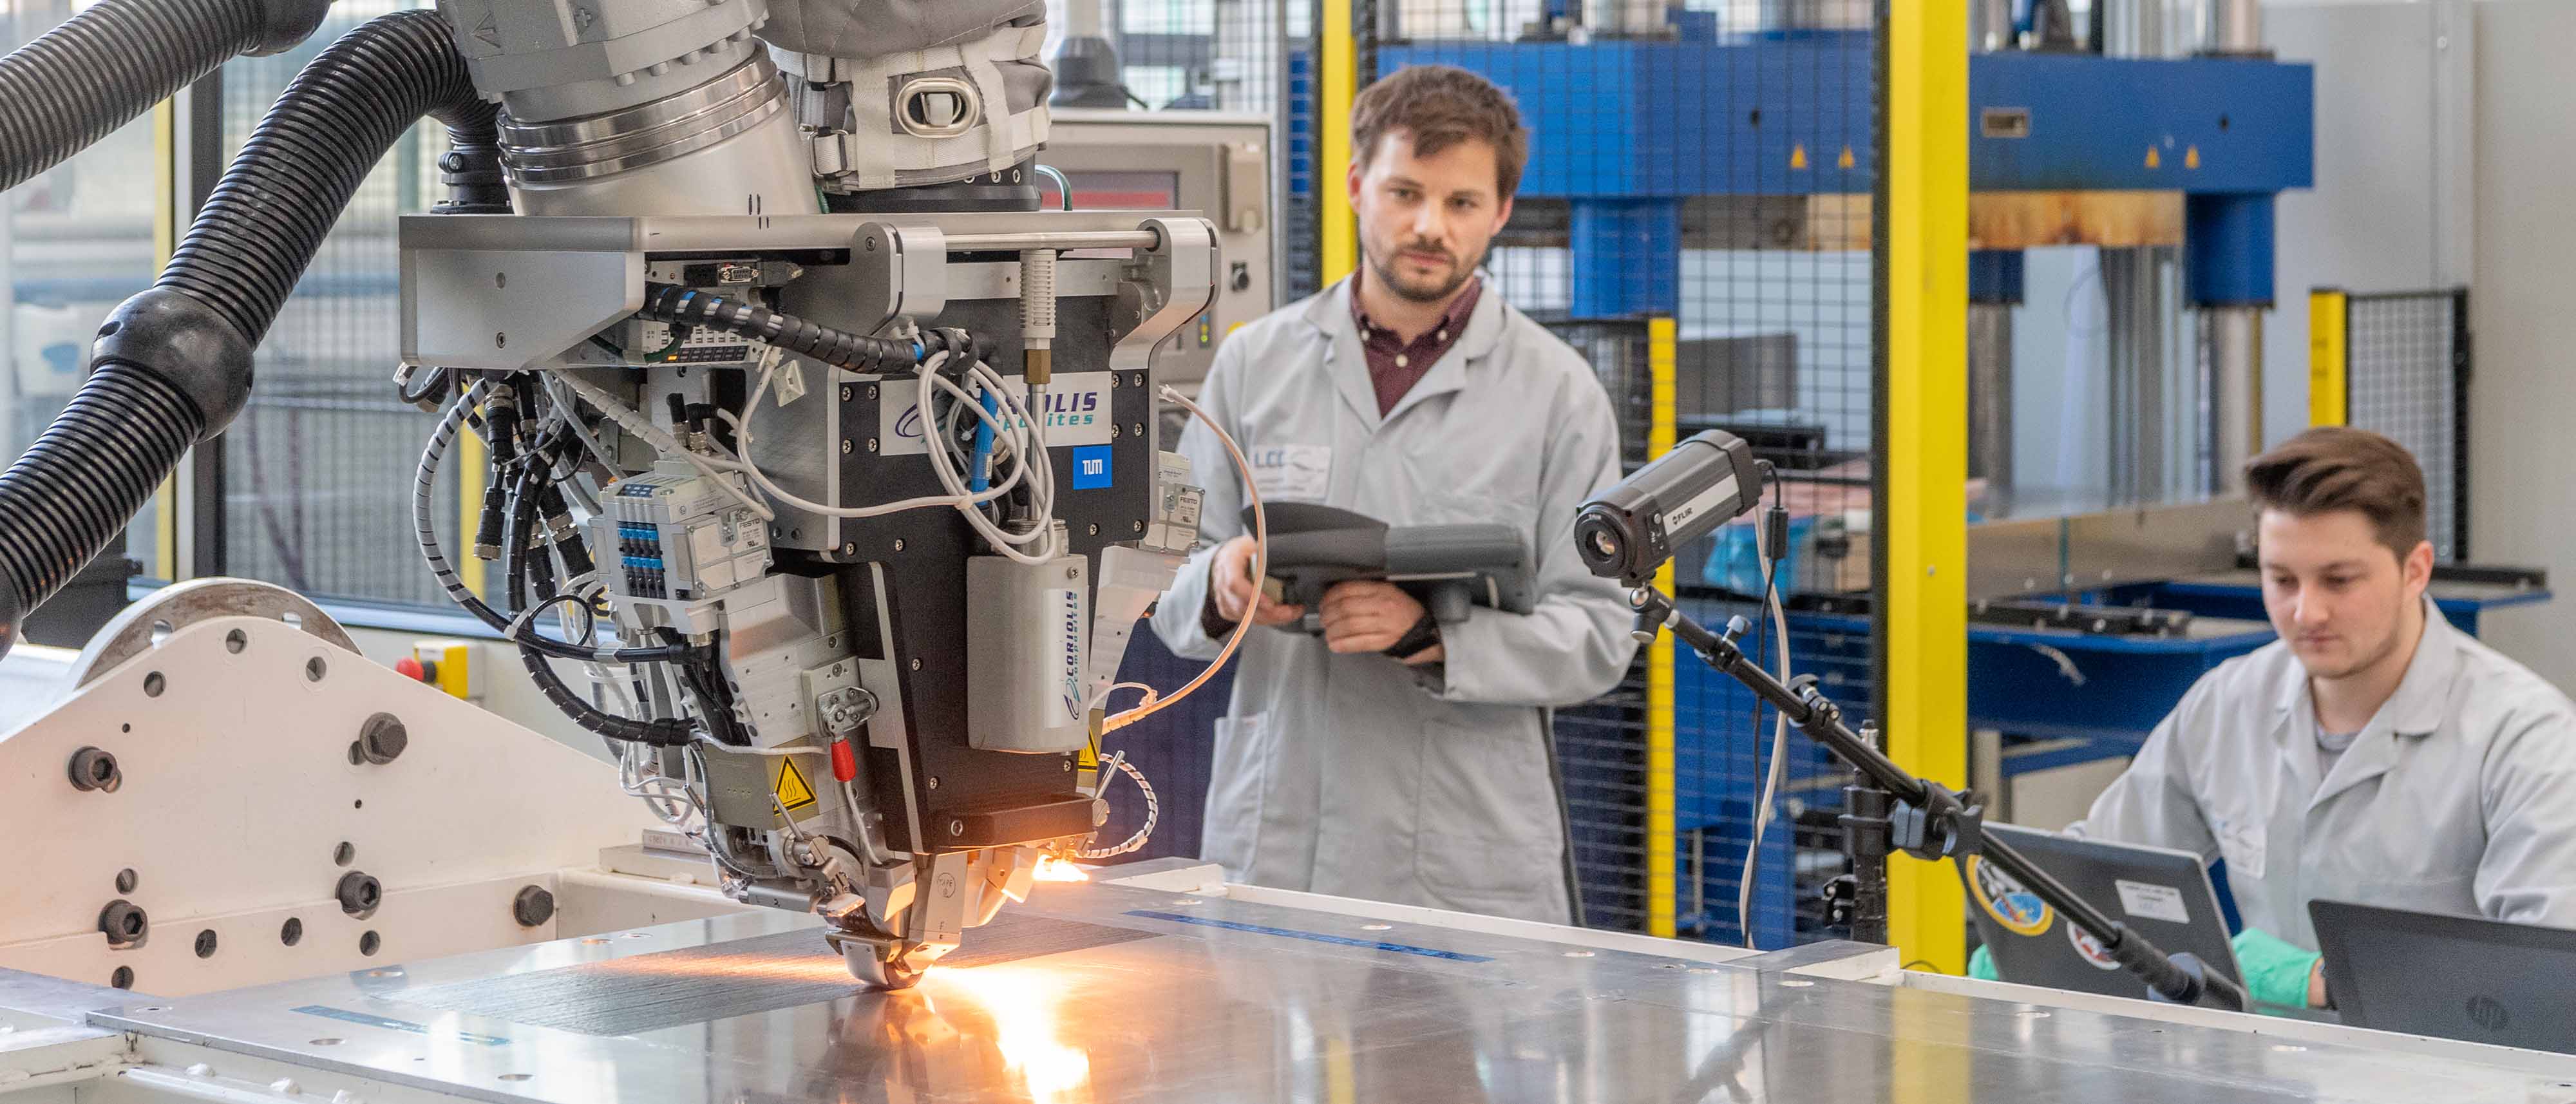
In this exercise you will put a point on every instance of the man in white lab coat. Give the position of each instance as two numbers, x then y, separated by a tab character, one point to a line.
2373	753
1396	758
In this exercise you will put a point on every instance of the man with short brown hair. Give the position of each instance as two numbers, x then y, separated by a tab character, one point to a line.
2373	753
1396	757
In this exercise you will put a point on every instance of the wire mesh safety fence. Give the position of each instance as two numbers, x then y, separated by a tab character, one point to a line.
1708	165
2407	376
318	468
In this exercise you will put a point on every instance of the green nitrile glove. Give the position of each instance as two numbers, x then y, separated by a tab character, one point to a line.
2276	972
1981	965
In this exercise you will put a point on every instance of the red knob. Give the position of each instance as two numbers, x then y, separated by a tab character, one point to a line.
412	668
845	762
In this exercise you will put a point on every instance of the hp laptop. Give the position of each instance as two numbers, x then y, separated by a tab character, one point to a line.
2457	977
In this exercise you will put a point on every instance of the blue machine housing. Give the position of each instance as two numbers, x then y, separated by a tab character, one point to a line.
1626	130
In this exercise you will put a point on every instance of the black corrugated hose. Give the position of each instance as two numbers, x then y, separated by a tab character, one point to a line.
99	69
681	306
173	364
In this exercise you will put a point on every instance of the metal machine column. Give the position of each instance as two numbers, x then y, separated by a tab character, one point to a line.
2230	282
2133	290
1994	289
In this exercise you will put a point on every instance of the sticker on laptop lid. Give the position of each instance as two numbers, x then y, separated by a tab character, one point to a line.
2002	896
2155	902
2090	949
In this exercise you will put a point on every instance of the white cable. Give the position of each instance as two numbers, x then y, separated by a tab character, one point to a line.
1260	565
742	433
1765	558
1031	444
637	424
1105	691
553	382
775	752
1153	811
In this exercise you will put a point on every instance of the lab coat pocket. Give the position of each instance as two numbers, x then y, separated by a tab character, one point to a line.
1238	778
1487	836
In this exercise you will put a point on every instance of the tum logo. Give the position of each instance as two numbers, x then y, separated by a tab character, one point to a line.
1094	466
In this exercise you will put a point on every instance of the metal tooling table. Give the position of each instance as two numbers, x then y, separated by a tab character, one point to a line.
2240	594
1106	992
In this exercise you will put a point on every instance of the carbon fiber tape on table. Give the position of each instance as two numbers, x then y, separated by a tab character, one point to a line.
650	992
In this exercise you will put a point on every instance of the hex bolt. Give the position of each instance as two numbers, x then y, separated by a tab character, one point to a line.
359	894
126	880
93	769
382	738
125	923
533	906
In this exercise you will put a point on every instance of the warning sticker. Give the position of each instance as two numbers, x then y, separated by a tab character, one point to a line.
793	792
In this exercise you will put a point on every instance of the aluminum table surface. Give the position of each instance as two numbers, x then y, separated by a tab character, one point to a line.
1235	1001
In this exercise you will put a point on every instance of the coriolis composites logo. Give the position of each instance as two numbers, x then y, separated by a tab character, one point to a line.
1067	629
1076	411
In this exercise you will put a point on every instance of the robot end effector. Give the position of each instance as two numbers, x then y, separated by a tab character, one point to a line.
744	639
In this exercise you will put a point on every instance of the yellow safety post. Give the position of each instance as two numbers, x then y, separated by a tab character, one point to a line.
165	241
1923	516
1663	427
1339	83
2329	356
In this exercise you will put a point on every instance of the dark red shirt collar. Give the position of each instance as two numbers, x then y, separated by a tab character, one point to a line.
1394	364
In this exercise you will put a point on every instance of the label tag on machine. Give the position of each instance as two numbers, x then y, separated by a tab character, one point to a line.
1077	412
1061	695
1721	491
793	791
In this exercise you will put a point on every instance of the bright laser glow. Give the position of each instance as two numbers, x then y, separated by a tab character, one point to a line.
1026	1005
1053	869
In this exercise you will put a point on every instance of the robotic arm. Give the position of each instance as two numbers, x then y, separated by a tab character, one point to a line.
813	440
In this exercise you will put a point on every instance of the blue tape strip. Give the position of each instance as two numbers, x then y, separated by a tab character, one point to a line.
345	1016
1311	937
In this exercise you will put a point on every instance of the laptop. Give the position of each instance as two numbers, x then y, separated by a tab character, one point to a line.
2456	977
2159	893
